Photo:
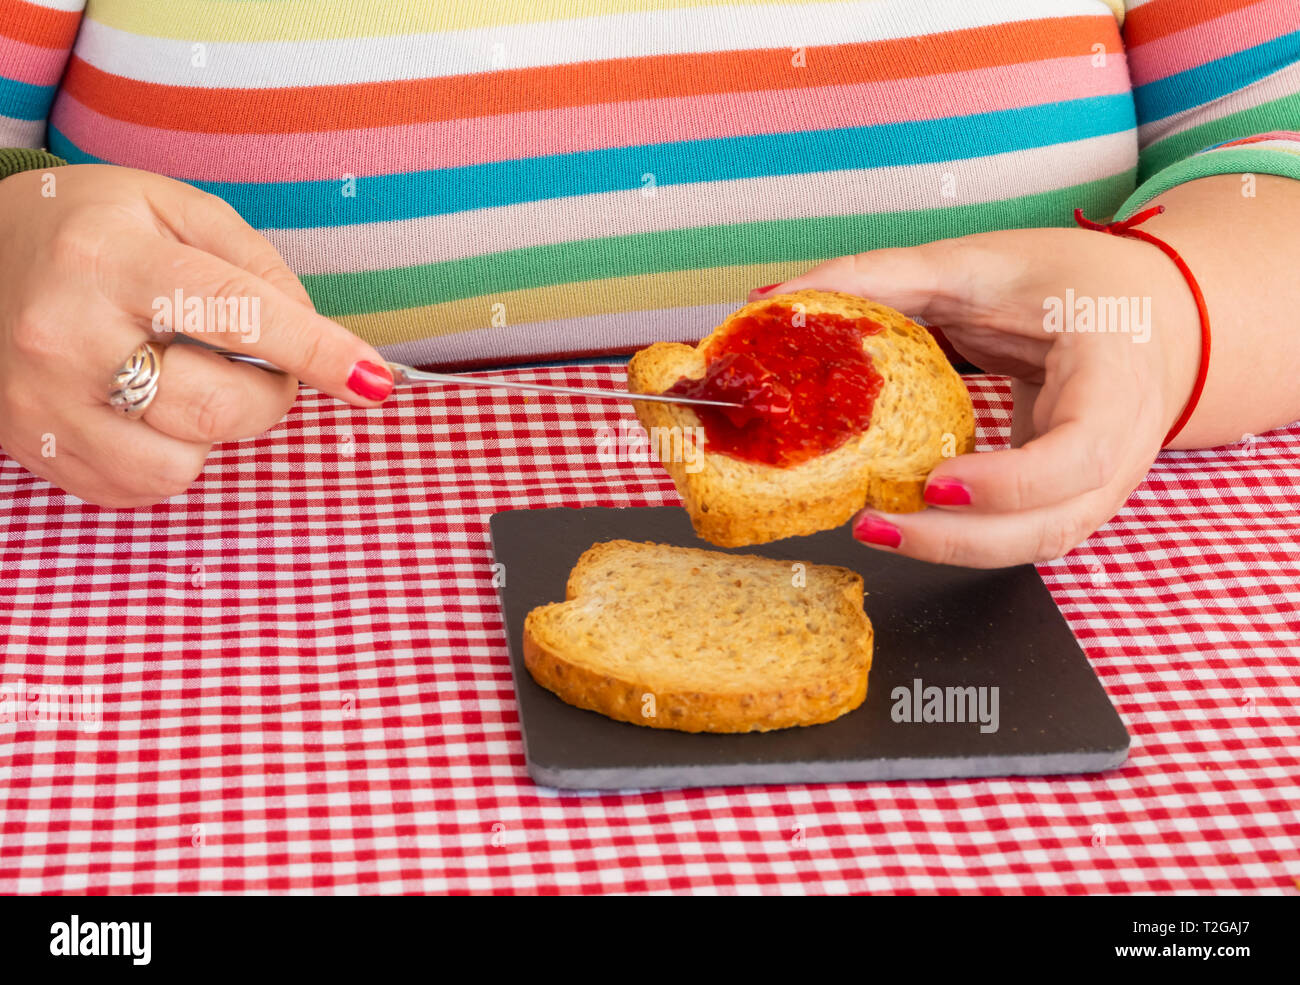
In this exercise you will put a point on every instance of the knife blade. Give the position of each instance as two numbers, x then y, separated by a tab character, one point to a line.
408	374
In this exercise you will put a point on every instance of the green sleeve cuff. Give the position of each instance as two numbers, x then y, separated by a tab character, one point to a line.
16	159
1230	160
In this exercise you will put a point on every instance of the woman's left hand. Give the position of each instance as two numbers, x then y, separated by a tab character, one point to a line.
1091	407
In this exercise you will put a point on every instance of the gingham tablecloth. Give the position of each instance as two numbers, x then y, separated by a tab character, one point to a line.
305	684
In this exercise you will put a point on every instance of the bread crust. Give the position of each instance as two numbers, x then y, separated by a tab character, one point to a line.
583	683
688	711
923	409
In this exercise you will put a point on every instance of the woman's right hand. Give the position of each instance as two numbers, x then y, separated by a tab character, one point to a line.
91	258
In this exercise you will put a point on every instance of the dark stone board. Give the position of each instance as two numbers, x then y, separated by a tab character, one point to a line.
947	627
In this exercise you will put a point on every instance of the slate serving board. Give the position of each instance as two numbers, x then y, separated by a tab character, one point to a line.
946	627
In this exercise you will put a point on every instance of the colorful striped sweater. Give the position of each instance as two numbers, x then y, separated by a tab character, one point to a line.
467	183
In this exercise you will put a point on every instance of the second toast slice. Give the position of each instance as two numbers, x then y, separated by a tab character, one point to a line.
700	641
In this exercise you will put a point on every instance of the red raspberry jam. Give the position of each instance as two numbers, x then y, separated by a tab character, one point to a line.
806	389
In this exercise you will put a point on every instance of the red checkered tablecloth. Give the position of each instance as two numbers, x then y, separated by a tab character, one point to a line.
305	684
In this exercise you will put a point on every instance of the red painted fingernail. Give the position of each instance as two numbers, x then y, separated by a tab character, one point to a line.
947	492
873	530
764	290
370	380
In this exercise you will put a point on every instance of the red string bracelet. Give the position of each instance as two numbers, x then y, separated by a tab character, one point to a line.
1124	227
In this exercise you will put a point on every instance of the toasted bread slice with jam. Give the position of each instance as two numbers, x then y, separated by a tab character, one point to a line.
701	641
921	415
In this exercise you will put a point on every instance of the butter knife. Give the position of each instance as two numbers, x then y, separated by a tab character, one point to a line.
408	374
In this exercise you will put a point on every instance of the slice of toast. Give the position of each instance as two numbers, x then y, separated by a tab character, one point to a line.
701	641
922	415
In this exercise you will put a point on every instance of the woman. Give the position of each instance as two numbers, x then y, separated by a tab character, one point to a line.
467	184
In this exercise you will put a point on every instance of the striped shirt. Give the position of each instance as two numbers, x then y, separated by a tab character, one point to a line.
469	183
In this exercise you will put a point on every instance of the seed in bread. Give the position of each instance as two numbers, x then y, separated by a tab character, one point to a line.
922	414
701	641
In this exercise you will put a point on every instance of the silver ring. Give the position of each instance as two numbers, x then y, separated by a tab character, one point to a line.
136	383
